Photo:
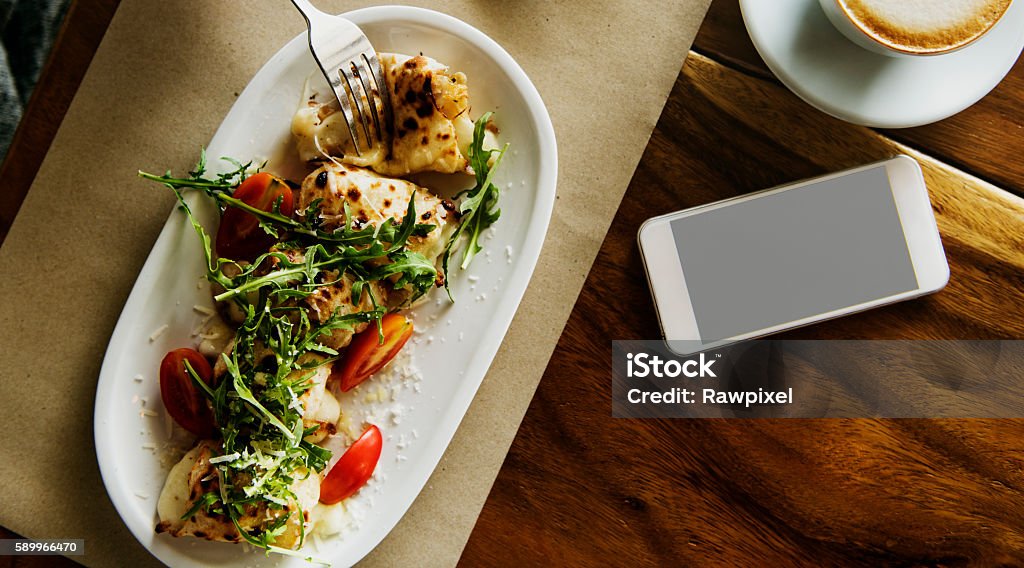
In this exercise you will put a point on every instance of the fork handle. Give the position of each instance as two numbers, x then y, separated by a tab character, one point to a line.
307	9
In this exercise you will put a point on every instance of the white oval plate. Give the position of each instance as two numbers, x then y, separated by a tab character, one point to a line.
452	352
809	55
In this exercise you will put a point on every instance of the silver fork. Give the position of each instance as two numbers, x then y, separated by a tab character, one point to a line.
350	65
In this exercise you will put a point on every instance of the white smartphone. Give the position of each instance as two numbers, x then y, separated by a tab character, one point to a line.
793	255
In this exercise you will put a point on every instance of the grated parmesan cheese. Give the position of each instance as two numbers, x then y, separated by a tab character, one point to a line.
158	332
226	458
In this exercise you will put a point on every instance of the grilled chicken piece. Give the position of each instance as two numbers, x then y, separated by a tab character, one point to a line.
432	128
372	199
335	298
194	475
320	408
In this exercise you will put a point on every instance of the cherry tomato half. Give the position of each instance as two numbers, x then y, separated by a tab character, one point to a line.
240	236
182	398
353	469
366	355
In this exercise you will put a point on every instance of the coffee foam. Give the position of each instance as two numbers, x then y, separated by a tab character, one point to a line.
922	26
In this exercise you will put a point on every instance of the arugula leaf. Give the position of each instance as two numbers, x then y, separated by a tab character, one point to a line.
245	394
415	269
480	210
479	205
203	502
226	181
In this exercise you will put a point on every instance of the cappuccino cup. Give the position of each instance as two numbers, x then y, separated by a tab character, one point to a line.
914	27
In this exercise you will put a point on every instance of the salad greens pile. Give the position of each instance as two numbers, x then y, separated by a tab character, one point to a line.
277	348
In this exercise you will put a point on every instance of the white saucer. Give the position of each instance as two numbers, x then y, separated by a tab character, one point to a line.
828	71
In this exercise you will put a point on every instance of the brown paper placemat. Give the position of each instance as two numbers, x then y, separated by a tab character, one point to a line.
162	80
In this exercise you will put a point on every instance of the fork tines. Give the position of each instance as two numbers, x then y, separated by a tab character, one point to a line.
361	86
350	65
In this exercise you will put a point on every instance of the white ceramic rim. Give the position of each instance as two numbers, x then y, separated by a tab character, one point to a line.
794	83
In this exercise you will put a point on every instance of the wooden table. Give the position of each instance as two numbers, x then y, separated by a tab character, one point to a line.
581	488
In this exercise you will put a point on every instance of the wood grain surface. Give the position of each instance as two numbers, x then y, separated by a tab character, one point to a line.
581	488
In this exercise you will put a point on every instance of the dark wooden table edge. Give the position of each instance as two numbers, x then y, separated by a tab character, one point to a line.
76	43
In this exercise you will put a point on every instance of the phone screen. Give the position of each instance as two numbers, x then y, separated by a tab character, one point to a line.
798	253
